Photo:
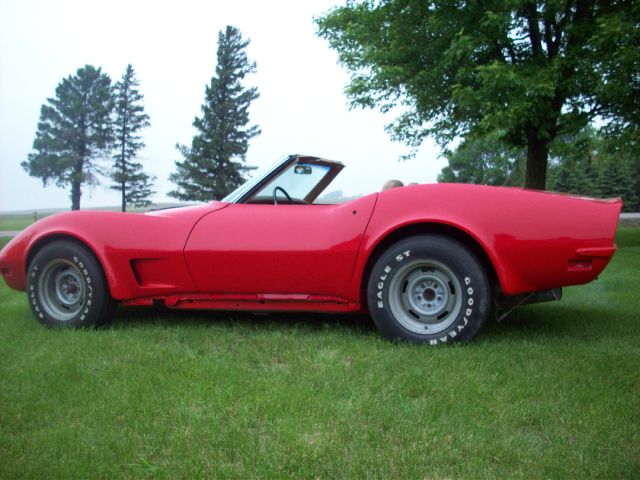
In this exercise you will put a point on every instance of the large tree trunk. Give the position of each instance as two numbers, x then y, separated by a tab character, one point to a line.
123	185
76	181
537	159
75	195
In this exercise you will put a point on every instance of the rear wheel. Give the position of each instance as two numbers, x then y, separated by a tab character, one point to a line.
428	289
67	287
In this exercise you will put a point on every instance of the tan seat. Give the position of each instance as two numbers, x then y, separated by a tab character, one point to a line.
392	184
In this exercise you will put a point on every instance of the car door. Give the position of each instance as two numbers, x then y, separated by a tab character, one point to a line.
247	249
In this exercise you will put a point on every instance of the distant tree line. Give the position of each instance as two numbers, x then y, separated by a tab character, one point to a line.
92	129
589	162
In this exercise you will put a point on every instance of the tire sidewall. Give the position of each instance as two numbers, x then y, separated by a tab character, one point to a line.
96	293
462	263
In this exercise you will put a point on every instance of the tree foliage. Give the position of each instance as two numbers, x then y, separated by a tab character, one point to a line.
574	163
615	180
214	165
592	163
74	132
484	161
521	68
588	162
617	171
617	60
130	118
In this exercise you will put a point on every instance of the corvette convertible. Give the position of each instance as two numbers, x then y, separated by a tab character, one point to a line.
428	262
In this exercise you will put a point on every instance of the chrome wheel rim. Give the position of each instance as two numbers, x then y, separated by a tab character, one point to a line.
62	290
425	297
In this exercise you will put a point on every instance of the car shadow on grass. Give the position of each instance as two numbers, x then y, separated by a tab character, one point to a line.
557	322
358	324
531	323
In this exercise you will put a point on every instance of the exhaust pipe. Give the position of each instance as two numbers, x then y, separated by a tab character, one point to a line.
551	295
510	303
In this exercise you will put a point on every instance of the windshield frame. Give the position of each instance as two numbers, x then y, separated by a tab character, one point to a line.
243	190
246	192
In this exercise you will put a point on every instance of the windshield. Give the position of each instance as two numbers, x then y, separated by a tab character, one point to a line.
298	181
247	186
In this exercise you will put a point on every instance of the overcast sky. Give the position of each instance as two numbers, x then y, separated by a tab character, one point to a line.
172	47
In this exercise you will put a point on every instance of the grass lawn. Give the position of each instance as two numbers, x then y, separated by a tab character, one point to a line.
15	222
552	392
19	221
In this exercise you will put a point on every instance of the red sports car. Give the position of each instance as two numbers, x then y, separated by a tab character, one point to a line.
427	261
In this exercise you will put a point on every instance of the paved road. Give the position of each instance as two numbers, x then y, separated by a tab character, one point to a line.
630	220
9	233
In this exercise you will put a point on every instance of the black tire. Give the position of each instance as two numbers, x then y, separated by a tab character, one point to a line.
428	289
67	287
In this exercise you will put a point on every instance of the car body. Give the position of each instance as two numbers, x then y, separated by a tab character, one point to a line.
271	246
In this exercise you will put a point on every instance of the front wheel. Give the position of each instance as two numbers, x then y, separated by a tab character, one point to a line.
428	289
67	287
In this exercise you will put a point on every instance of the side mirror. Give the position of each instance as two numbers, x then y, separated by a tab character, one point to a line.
302	170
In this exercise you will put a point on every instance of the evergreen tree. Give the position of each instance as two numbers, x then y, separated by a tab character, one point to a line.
617	171
214	164
615	179
625	148
573	167
130	118
593	163
73	133
636	175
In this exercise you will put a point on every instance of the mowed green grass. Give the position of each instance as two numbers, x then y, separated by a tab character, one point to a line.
552	392
15	222
20	221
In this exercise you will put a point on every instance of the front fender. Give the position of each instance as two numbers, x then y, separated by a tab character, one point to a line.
141	254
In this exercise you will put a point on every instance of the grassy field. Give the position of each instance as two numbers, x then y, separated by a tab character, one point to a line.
16	222
21	220
552	392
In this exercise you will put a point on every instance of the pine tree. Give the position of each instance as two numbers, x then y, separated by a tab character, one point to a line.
214	165
573	157
73	133
616	172
615	179
130	118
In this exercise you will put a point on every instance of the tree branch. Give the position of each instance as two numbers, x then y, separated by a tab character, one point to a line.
559	27
531	14
566	15
548	38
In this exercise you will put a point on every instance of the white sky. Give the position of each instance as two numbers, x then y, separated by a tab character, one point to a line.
172	47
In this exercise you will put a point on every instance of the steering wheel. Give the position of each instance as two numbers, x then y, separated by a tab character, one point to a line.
275	195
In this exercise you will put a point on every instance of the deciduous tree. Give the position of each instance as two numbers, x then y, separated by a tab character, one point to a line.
529	69
485	161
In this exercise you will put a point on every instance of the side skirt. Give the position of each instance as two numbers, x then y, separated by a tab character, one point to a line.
252	303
